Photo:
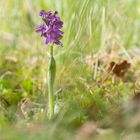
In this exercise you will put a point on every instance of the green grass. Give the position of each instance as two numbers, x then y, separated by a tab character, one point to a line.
102	30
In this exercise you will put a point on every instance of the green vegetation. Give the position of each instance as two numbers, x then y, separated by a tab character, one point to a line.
90	101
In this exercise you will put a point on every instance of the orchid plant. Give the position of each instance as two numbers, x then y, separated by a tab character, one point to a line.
51	30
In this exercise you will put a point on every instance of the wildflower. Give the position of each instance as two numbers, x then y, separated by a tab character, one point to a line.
51	30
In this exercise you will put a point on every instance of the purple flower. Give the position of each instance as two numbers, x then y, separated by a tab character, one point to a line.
51	30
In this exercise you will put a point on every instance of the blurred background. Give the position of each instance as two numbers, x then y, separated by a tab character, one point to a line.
95	32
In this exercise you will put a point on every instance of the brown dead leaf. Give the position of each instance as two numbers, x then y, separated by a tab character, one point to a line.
119	69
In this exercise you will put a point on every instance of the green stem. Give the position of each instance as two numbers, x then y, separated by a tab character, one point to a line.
51	79
51	49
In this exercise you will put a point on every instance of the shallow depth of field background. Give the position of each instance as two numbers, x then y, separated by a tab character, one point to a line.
96	32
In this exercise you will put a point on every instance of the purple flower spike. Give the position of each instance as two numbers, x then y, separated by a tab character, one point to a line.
51	30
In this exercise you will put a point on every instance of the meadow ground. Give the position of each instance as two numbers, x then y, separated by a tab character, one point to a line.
94	99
